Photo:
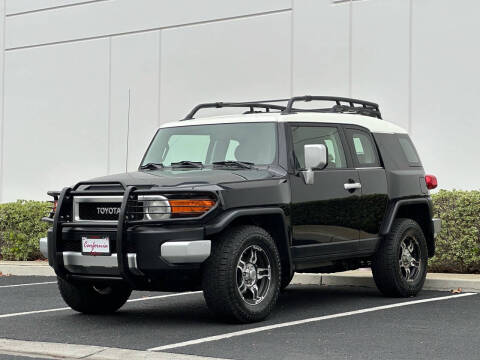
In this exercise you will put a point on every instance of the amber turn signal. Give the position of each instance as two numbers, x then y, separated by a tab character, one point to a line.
193	207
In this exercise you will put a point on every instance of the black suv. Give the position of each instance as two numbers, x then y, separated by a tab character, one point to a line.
235	204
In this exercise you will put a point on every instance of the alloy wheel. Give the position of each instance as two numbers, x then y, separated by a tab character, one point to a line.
253	275
409	258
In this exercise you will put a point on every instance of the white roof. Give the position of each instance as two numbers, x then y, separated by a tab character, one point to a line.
373	124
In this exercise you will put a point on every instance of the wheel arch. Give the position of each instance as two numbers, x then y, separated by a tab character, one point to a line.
273	220
418	209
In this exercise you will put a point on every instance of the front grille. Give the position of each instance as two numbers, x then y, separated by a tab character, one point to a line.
102	211
102	208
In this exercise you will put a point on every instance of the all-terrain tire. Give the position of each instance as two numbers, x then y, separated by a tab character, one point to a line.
93	299
220	275
386	268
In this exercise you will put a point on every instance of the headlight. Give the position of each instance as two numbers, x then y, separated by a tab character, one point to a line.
155	207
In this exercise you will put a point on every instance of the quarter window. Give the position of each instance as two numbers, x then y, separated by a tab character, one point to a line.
363	148
409	150
328	136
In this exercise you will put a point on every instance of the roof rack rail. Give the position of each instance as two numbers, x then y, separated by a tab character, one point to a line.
263	104
366	108
342	105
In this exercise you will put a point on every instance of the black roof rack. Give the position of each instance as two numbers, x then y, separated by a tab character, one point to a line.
342	105
351	107
264	104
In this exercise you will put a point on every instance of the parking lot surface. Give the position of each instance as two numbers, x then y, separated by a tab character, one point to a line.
309	322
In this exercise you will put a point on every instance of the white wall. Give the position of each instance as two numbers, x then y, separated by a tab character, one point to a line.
446	89
242	59
68	66
134	69
56	108
321	48
380	56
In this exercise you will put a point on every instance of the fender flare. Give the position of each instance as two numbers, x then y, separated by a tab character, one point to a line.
392	214
224	220
393	210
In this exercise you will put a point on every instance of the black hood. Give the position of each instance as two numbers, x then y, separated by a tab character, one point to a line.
188	177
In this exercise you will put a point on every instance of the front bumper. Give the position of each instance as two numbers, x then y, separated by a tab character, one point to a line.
77	263
143	251
181	252
170	254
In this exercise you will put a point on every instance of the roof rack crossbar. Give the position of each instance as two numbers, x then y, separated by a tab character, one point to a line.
251	105
264	101
366	107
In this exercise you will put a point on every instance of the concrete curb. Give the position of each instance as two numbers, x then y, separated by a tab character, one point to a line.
26	268
362	277
70	351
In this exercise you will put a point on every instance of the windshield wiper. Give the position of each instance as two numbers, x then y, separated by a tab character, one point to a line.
234	163
151	166
187	164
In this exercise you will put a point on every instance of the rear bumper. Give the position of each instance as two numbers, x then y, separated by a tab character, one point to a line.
437	227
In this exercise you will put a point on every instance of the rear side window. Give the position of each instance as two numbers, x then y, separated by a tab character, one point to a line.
364	149
409	150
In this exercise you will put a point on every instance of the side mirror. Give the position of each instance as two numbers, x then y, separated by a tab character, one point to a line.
316	156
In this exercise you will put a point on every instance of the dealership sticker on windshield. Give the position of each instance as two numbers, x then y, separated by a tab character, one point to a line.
95	246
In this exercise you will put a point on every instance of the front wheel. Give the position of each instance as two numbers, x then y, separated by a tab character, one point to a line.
93	298
241	278
399	266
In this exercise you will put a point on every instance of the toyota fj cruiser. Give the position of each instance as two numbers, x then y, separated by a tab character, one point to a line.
235	204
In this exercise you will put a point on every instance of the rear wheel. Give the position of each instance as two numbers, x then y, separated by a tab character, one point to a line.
93	298
241	278
400	265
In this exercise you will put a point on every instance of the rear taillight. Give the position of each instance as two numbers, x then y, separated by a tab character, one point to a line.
431	181
54	206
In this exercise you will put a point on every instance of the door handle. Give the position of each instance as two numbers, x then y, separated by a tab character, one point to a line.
352	186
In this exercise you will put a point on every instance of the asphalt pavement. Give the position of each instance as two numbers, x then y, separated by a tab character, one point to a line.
309	322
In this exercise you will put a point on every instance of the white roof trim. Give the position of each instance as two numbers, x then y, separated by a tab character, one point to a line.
373	124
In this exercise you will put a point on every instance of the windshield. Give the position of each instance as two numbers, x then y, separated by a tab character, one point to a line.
248	142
